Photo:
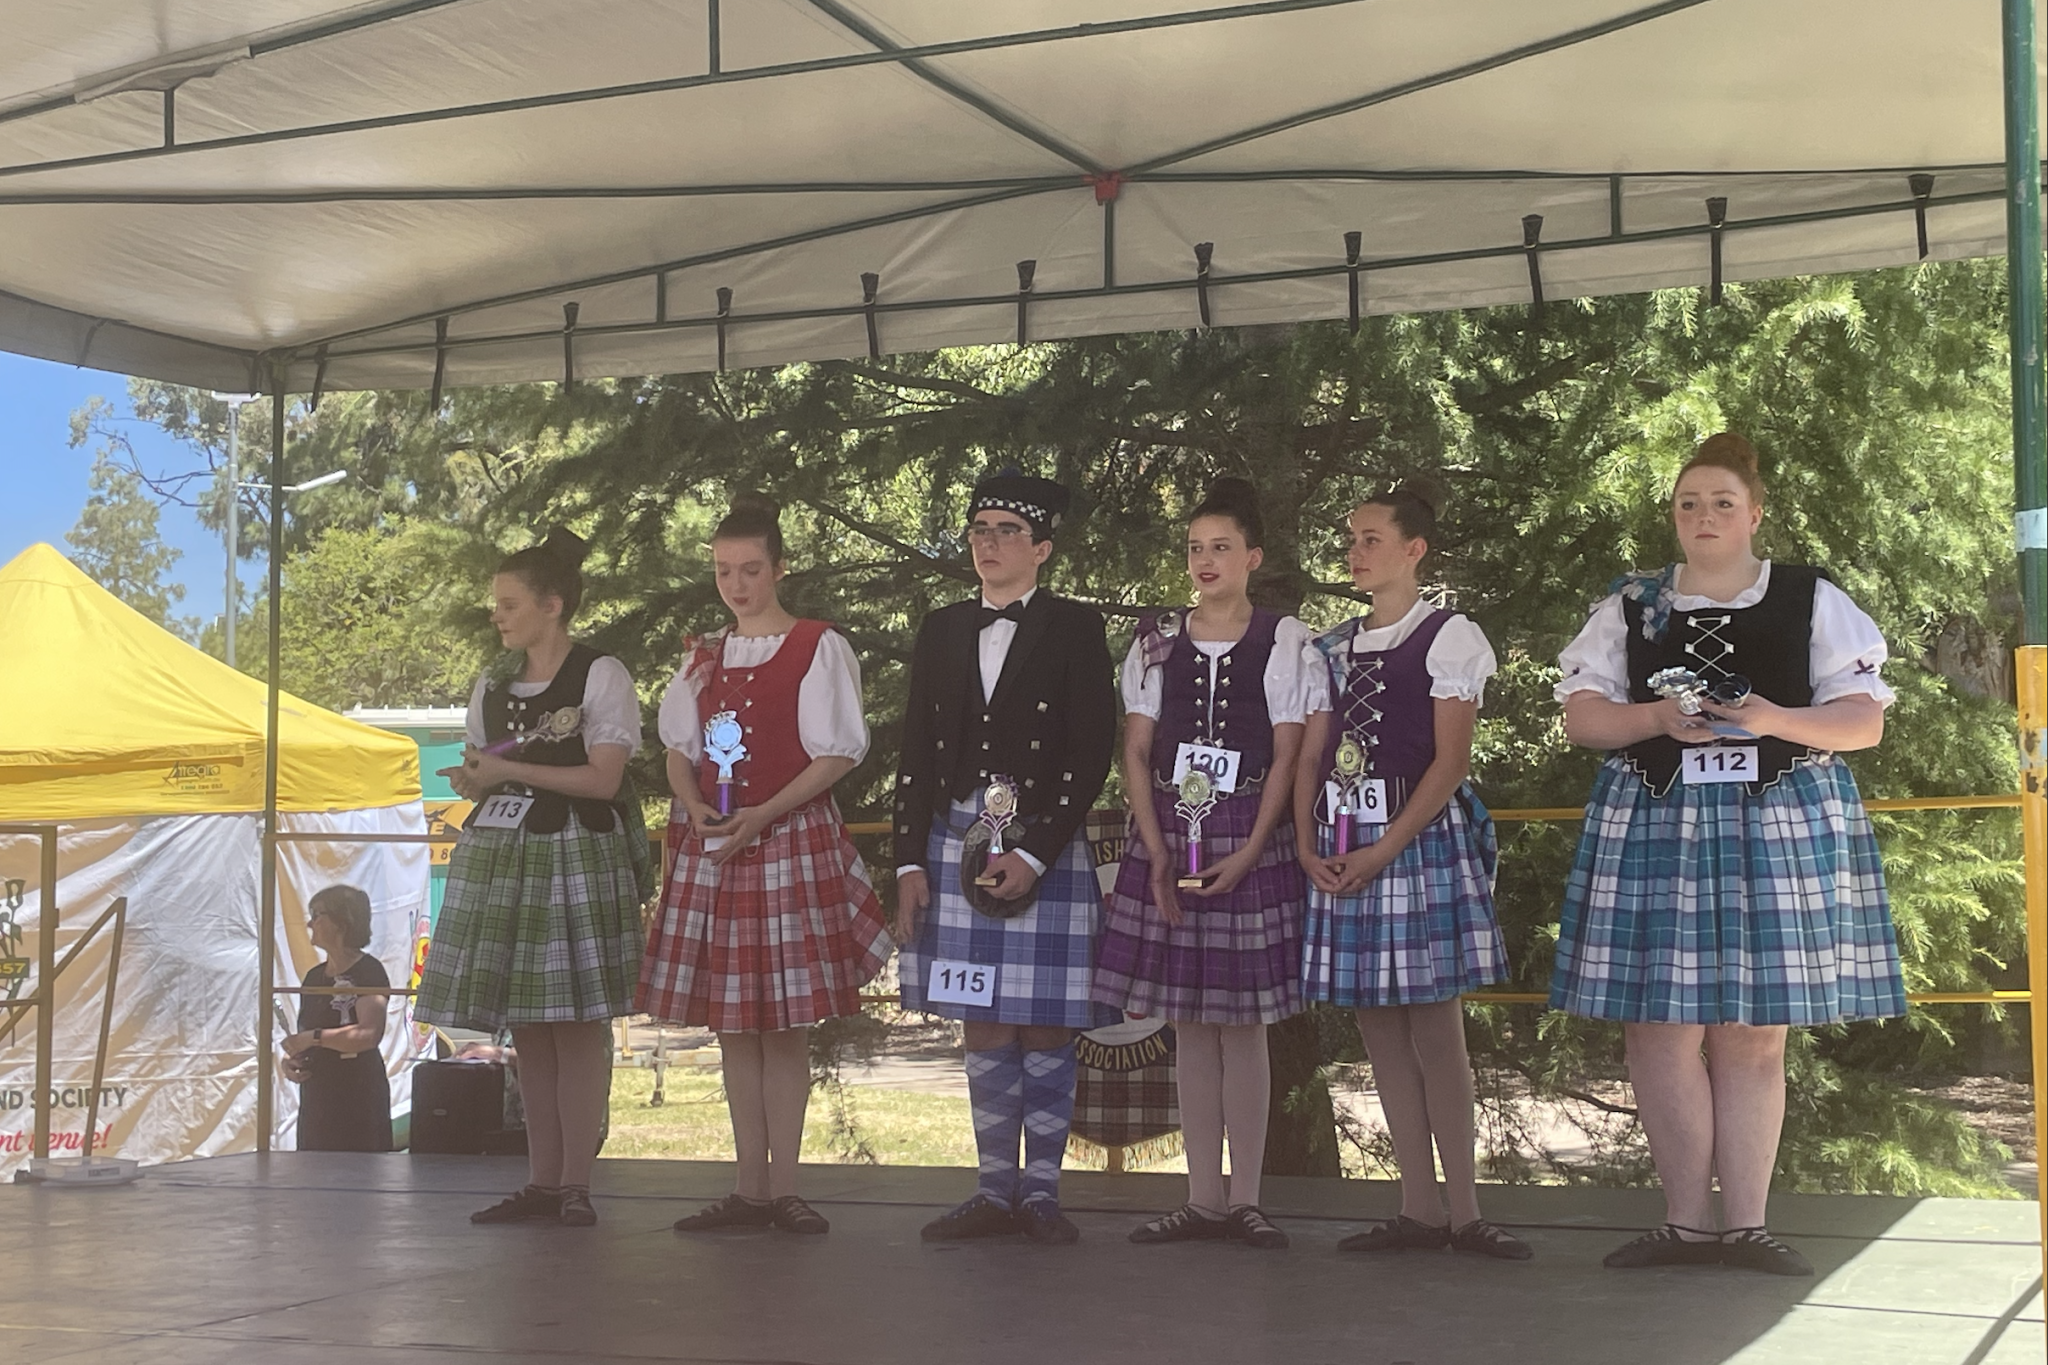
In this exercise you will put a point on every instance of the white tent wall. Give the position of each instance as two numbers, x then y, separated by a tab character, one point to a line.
411	192
180	1069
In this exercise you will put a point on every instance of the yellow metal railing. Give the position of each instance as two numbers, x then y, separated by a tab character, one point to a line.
2002	801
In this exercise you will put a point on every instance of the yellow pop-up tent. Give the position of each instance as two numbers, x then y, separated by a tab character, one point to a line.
150	755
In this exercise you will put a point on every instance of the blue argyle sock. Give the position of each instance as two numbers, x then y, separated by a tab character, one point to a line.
1048	1113
995	1092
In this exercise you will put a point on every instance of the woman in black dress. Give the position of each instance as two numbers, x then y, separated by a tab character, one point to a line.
344	1094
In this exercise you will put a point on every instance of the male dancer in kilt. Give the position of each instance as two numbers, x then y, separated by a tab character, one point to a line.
1006	744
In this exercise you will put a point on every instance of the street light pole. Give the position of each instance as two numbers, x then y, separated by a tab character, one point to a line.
234	518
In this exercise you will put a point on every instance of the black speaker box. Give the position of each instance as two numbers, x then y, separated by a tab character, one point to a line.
458	1108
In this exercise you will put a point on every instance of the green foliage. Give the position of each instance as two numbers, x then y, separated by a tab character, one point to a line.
366	621
116	542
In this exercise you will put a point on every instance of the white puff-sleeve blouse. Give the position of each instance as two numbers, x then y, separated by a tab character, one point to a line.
1460	659
829	719
611	706
1287	680
1845	649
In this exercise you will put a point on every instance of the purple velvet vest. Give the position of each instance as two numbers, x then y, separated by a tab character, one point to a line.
1382	699
1231	717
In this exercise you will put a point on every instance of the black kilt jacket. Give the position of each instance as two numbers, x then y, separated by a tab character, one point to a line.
1051	723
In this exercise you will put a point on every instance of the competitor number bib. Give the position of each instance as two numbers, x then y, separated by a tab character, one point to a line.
961	983
503	811
1220	765
1719	763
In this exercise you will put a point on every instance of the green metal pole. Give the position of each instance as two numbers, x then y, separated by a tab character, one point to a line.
2023	262
2024	271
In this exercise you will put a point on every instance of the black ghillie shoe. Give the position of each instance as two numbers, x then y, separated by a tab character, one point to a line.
1399	1234
729	1212
1042	1221
530	1202
1663	1246
792	1214
1249	1224
980	1216
577	1211
1755	1249
1481	1238
1184	1224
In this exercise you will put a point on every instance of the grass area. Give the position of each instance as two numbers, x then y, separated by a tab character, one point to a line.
881	1127
889	1127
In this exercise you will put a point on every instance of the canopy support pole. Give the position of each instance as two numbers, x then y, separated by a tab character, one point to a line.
266	929
2030	479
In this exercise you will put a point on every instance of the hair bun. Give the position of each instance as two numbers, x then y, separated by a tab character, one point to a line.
565	545
1232	489
1421	495
759	504
1730	451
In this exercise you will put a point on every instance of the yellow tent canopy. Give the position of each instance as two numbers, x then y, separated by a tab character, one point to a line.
107	713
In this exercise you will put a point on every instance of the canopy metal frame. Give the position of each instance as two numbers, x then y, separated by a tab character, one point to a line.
273	368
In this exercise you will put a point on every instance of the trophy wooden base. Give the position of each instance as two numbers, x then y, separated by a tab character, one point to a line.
1194	883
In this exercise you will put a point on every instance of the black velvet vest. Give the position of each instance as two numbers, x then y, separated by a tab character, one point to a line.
507	716
1768	643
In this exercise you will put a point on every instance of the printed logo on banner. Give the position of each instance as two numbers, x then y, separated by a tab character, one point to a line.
198	778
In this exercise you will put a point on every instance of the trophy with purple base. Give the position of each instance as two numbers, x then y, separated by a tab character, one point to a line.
1197	799
1350	767
724	746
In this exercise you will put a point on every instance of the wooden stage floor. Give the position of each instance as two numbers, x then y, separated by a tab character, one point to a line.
317	1259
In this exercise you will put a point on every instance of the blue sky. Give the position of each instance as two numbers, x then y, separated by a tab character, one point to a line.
46	483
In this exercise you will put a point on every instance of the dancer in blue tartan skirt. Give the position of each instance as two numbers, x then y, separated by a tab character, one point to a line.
1221	959
1727	884
1006	743
1400	858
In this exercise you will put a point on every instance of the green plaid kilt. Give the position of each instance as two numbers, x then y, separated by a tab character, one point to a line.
537	928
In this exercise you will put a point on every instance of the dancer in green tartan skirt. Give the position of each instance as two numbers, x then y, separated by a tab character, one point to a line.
539	930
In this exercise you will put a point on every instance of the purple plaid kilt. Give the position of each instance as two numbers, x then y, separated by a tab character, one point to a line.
1234	959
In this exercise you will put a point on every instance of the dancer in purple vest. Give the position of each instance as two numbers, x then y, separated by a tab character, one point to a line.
1400	857
1212	731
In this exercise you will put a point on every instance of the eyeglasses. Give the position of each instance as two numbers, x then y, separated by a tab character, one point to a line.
1005	534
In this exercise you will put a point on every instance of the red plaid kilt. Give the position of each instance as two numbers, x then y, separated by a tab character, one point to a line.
782	936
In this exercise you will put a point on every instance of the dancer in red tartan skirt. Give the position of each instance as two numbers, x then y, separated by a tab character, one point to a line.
768	923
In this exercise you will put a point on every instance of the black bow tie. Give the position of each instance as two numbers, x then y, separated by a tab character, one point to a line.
991	615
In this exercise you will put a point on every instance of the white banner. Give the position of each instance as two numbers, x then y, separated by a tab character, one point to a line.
180	1078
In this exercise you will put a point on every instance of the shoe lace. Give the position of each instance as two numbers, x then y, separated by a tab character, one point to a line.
1252	1217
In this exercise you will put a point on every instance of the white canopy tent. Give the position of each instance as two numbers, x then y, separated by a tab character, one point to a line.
412	193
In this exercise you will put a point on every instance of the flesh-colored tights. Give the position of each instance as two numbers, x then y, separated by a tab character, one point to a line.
767	1090
1424	1079
1226	1081
565	1082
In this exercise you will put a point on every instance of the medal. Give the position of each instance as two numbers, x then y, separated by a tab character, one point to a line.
723	746
1197	799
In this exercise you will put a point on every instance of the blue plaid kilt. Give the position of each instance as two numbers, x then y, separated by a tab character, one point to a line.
1712	906
1421	931
1045	958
